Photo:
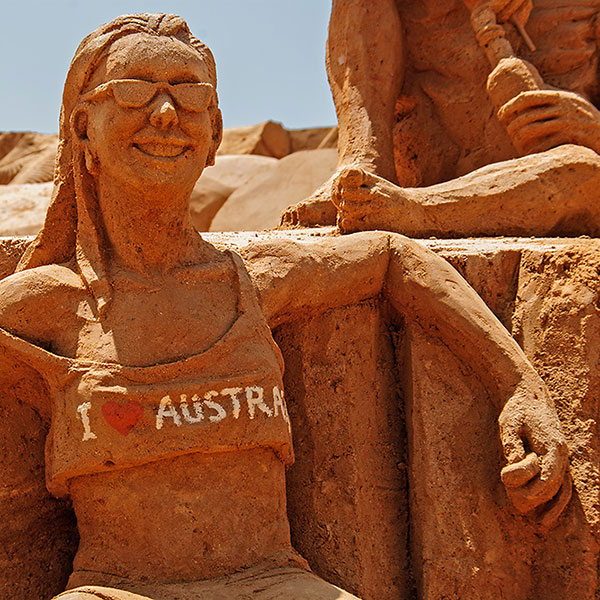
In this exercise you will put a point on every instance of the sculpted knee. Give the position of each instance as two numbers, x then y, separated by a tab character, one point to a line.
578	155
97	593
77	595
570	167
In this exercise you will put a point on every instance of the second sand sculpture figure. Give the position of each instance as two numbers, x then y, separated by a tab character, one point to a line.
169	429
415	109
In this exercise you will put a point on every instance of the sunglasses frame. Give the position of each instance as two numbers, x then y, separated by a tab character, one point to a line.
171	88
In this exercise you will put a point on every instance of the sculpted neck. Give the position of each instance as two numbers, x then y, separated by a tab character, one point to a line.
148	230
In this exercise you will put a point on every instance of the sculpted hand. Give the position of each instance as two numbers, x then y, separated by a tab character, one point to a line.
543	119
506	9
536	477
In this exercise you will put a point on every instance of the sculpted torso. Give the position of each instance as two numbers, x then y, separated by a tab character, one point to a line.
138	308
446	72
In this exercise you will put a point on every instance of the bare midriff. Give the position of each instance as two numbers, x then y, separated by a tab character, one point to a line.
187	518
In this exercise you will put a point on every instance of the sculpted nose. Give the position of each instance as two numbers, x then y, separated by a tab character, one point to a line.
164	113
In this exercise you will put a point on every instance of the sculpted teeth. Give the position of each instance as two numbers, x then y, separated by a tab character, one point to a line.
161	150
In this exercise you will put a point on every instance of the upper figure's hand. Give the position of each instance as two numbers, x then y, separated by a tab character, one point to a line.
506	9
536	477
543	119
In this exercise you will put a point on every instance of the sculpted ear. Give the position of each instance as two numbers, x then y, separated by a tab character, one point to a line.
79	123
216	121
79	128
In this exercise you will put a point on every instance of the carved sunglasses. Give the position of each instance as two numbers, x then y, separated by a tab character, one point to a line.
137	93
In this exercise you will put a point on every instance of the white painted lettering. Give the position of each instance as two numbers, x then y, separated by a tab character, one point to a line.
166	409
235	401
83	410
221	414
185	411
255	399
279	404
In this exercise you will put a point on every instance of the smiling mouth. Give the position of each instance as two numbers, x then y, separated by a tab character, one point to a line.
160	150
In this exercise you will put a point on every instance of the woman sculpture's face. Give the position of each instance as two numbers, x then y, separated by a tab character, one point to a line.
139	134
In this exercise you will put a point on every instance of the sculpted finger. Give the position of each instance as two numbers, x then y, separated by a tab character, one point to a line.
518	8
512	444
553	509
537	137
538	114
542	144
346	181
526	101
350	177
289	216
523	13
520	473
529	497
543	488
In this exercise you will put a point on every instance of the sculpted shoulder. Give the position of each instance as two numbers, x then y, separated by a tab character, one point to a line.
40	304
299	272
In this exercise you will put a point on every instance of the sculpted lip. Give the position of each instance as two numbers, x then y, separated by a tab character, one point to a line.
161	147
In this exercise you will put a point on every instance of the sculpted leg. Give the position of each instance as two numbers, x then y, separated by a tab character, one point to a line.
365	74
550	193
102	593
282	583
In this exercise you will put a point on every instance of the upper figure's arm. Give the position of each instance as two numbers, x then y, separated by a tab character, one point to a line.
506	10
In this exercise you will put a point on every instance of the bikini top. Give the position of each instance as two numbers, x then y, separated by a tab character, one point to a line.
107	416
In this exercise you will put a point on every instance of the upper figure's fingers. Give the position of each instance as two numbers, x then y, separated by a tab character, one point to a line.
526	101
552	140
534	115
540	135
506	9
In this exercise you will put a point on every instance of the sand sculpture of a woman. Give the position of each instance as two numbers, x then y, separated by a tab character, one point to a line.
169	429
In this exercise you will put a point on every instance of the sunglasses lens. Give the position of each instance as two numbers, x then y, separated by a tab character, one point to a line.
133	93
194	97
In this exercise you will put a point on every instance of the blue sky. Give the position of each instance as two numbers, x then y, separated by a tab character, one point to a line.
270	56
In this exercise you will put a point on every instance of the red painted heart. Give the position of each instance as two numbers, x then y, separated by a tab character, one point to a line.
122	418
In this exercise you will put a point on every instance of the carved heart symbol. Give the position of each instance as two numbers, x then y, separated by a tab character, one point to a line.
122	418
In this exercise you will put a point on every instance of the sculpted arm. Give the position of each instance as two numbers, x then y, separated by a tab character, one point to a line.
426	290
302	275
40	304
38	312
506	10
308	274
315	275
